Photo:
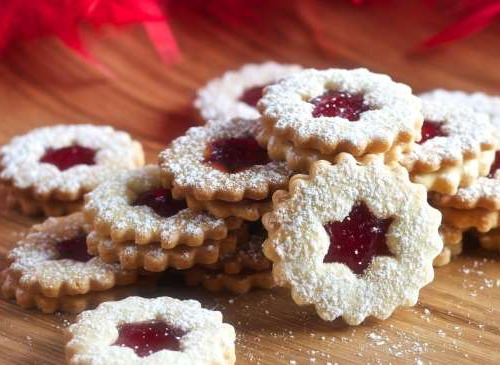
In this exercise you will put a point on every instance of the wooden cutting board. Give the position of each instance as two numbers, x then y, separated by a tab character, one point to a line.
457	319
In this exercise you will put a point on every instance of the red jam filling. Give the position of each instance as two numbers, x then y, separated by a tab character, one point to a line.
252	95
67	157
431	129
146	338
161	201
74	249
235	154
341	104
357	239
496	164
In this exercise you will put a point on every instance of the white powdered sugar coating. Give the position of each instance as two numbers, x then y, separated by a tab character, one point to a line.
208	341
298	241
468	134
478	101
111	210
35	261
20	159
184	167
394	111
219	99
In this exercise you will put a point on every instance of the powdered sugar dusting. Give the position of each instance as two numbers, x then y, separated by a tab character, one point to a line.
20	159
208	339
394	110
183	164
219	99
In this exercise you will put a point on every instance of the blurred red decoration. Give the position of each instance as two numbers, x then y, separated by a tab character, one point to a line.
25	20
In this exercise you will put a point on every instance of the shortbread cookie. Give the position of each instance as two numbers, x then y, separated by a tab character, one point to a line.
490	240
248	256
236	93
249	210
353	239
150	331
478	101
134	207
238	283
457	146
484	193
52	260
70	303
452	241
222	160
153	257
483	220
338	110
61	163
300	159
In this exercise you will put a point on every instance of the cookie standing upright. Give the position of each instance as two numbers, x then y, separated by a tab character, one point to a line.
150	331
236	93
49	169
316	114
353	239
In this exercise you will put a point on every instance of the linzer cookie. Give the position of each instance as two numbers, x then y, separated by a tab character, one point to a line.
457	146
335	110
221	161
150	331
478	101
52	262
452	245
134	207
490	240
353	239
240	283
152	257
236	93
48	170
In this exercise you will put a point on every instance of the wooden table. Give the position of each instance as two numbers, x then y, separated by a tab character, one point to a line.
457	319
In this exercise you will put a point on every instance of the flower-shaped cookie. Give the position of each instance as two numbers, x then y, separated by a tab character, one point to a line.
236	93
150	331
354	240
338	110
133	206
52	260
63	162
222	160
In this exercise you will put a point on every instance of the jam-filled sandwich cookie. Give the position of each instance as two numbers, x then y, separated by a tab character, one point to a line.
152	257
133	206
222	161
236	93
48	170
335	110
353	239
478	101
150	331
452	245
490	240
457	146
52	262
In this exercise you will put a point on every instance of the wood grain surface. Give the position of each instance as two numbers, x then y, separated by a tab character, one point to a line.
457	319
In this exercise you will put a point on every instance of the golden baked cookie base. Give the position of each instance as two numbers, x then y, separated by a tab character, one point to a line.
452	240
249	210
300	159
490	240
154	258
448	179
482	219
237	284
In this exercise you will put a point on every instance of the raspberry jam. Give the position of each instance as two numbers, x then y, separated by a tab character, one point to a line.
496	164
341	104
252	95
235	154
67	157
357	239
74	249
161	201
431	129
146	338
